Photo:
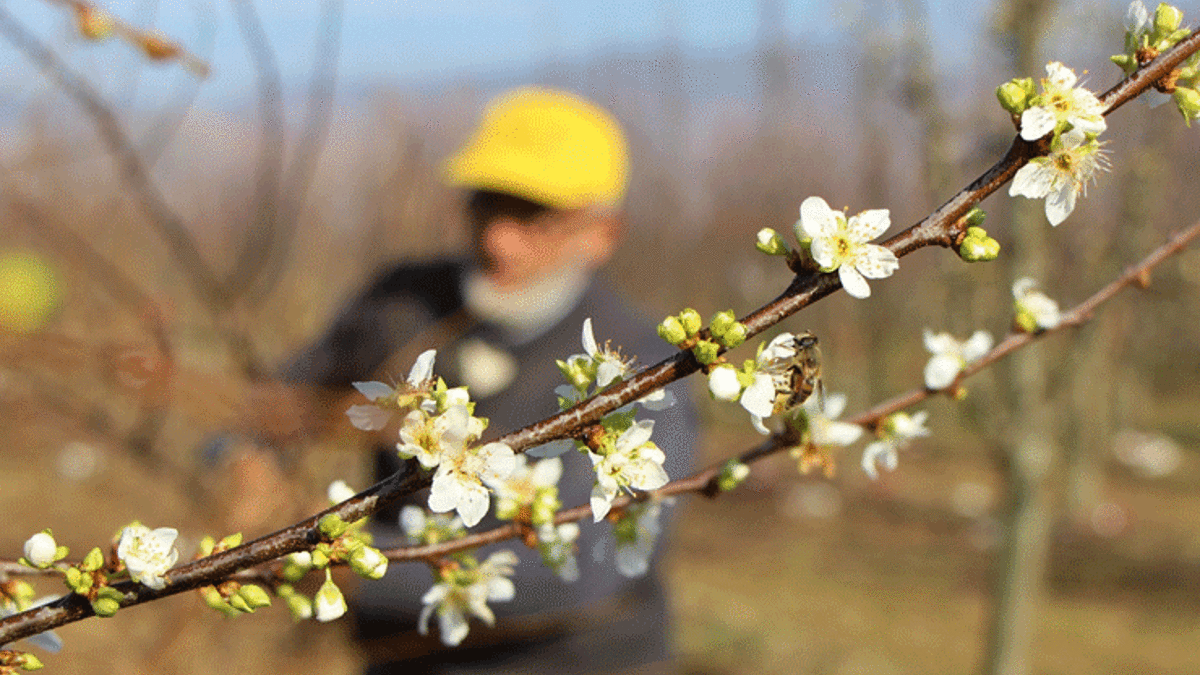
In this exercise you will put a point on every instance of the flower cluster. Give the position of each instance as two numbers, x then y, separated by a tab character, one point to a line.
1146	35
597	368
530	495
465	588
624	457
1075	117
440	431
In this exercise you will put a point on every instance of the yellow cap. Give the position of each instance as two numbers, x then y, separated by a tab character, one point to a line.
547	146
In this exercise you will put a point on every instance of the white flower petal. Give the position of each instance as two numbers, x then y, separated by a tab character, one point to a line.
978	345
879	453
453	626
838	433
547	472
374	390
1037	122
817	220
601	503
368	417
853	282
868	225
759	397
876	262
422	370
941	371
1032	181
589	338
635	436
1061	202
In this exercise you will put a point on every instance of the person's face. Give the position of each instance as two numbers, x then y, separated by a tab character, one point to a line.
517	243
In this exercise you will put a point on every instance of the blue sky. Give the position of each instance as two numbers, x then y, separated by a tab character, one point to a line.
426	41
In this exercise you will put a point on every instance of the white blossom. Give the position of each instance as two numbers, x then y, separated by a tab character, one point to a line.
950	356
458	483
1035	310
823	428
40	549
1061	176
1062	101
467	592
520	488
634	461
329	603
430	438
842	245
897	431
636	534
376	417
148	554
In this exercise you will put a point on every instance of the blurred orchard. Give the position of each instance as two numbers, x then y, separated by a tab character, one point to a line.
119	359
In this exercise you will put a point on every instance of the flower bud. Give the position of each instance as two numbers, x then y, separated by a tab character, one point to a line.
1187	100
329	604
254	596
735	335
27	662
671	329
40	550
691	321
706	351
93	561
231	541
300	606
207	544
978	247
1126	62
1013	97
1167	19
771	243
368	563
721	322
339	491
332	526
975	218
107	602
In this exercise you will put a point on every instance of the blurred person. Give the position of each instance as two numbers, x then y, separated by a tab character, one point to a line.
545	174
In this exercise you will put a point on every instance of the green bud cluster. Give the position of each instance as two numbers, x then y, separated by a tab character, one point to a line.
977	246
726	329
1016	95
680	328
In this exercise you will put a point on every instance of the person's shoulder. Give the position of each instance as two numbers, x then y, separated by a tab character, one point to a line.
435	282
407	275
